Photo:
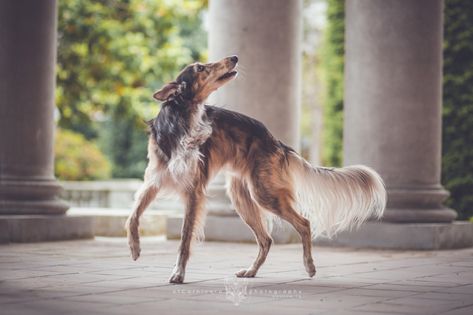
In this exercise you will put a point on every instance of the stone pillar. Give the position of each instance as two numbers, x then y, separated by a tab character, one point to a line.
393	95
266	36
27	67
393	89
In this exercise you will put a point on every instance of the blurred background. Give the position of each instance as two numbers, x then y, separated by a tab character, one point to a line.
113	54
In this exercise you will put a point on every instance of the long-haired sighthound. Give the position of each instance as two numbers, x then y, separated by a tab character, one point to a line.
190	142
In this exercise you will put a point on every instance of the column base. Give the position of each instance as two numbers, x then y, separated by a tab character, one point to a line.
42	228
406	236
440	215
22	197
418	205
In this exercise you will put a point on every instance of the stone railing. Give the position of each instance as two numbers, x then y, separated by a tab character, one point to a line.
103	194
117	194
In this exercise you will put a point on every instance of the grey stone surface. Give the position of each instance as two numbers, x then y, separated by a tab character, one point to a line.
412	236
111	222
231	229
40	228
392	110
27	68
116	193
380	235
98	277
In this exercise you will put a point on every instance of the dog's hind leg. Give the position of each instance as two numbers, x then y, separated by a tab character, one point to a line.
251	213
193	217
144	196
302	226
274	196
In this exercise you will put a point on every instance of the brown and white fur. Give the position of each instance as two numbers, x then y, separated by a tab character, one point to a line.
190	142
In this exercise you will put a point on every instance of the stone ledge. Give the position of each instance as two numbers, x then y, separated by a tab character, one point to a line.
111	222
379	235
41	228
230	229
406	236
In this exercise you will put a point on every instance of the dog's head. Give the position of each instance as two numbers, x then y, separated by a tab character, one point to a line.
197	81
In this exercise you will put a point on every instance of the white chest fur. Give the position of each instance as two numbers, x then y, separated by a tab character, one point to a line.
186	157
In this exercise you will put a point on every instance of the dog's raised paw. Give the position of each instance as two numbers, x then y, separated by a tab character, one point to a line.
310	270
135	251
246	273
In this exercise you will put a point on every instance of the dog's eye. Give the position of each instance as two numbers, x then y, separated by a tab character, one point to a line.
200	68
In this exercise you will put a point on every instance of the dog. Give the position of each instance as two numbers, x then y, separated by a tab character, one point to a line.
190	142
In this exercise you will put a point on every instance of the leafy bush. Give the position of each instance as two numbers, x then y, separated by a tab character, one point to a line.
457	162
112	55
78	159
333	52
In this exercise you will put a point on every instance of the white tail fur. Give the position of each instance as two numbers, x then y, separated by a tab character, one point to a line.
336	199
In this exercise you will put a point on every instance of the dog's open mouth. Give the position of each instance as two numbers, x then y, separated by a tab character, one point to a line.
228	75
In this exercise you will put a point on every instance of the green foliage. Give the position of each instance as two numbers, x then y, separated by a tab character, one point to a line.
112	55
125	141
457	167
78	159
333	52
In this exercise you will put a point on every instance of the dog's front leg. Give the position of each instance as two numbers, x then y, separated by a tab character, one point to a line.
193	216
144	196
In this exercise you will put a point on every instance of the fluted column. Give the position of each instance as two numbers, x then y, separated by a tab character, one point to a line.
27	69
393	95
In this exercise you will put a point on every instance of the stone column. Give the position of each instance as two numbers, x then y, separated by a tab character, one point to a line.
27	68
266	35
393	95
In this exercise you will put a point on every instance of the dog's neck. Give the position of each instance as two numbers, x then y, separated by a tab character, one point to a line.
198	127
191	132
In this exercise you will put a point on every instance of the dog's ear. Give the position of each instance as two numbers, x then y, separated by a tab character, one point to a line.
166	91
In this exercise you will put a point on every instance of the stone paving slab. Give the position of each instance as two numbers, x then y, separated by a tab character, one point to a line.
98	277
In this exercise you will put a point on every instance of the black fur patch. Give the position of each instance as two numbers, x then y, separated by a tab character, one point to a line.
171	124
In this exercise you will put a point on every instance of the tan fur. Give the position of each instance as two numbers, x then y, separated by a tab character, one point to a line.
265	178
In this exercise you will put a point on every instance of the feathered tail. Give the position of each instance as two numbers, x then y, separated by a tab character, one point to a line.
336	199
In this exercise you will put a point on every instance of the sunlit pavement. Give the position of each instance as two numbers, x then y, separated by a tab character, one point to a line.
98	277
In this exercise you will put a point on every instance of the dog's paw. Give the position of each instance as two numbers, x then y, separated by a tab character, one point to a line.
310	268
135	251
246	273
177	278
177	275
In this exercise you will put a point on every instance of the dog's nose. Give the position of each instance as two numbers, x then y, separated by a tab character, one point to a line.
234	59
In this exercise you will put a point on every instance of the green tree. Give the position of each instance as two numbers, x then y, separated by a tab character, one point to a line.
457	162
333	52
112	54
78	159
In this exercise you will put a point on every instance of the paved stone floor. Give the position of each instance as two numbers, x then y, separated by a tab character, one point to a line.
98	277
